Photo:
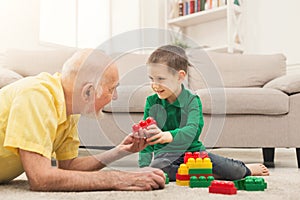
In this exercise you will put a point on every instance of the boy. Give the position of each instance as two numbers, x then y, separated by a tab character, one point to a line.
179	118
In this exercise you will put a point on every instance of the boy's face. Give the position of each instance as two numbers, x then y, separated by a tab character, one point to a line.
165	81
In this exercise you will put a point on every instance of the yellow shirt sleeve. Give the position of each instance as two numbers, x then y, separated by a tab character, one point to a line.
33	125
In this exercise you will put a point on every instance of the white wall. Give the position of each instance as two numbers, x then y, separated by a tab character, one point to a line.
19	22
273	26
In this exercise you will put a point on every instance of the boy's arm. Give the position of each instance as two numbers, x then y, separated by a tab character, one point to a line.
194	124
184	136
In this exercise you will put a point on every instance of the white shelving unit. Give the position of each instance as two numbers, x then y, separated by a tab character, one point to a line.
231	12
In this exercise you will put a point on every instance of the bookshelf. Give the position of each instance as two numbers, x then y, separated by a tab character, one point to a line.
231	12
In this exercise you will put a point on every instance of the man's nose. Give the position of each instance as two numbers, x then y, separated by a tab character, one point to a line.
115	95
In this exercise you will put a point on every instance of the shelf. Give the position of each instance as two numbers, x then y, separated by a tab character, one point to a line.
224	49
202	16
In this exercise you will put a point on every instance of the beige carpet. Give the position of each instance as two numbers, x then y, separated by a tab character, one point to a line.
283	183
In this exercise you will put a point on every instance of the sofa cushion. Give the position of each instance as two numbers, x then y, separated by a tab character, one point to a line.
8	76
212	69
32	62
288	83
131	98
262	101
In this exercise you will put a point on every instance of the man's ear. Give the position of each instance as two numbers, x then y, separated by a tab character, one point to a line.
182	75
88	92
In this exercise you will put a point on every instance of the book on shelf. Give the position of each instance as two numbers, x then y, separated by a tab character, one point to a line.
187	7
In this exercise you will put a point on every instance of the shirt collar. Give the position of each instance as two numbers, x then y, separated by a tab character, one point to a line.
181	99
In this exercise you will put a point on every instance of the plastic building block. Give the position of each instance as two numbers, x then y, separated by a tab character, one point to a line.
203	154
182	177
182	183
198	175
255	184
202	181
187	155
222	187
135	128
251	183
200	171
150	121
167	178
199	163
183	169
143	124
239	184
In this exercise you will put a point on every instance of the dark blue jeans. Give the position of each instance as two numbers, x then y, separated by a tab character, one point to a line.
223	168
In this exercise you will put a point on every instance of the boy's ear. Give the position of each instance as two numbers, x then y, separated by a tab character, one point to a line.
88	91
181	74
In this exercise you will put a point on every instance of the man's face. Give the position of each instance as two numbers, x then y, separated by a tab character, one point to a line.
105	92
165	82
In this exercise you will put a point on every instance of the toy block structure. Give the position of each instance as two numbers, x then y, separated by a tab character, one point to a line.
251	183
202	181
222	187
195	164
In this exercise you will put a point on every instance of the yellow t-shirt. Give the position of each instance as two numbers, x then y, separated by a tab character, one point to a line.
33	118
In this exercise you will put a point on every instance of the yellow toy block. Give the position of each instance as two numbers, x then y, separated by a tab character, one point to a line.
183	169
182	183
203	163
191	163
207	163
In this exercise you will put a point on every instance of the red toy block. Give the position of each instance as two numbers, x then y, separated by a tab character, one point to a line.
222	187
182	177
195	155
150	121
143	124
203	154
187	155
135	128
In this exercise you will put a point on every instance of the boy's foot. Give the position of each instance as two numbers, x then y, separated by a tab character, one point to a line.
258	170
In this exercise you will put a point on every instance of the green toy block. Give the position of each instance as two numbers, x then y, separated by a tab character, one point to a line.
167	179
201	181
255	184
239	184
200	171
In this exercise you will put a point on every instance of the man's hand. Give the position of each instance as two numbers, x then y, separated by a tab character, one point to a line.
156	136
134	142
144	179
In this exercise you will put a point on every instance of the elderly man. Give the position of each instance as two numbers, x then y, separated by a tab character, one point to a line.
38	119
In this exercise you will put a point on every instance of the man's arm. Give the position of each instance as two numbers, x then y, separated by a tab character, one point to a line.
43	177
131	144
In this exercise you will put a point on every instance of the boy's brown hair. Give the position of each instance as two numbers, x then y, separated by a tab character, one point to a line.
170	55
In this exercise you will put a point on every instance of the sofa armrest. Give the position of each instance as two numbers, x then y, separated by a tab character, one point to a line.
8	76
131	98
288	84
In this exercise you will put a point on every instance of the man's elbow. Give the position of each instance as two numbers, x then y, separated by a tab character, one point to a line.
40	183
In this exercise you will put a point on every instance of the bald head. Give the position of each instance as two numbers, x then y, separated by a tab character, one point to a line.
86	75
87	65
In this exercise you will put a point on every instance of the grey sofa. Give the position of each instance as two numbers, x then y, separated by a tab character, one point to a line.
248	100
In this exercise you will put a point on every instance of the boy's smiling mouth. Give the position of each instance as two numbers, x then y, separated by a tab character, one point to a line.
159	91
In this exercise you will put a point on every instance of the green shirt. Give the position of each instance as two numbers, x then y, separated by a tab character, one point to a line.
182	118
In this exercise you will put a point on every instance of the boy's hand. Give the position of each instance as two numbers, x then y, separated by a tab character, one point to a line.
156	136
